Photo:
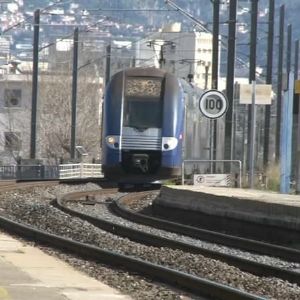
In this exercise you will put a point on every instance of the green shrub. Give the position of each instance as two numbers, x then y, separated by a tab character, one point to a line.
273	177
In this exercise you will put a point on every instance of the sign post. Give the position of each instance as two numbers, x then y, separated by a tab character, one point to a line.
255	94
213	104
253	136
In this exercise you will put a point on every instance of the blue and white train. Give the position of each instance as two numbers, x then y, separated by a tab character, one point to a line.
144	123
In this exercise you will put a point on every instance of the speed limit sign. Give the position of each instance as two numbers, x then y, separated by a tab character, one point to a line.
213	104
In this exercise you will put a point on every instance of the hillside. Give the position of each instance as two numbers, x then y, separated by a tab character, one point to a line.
133	25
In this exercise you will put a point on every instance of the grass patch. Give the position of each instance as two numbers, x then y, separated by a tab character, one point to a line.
273	177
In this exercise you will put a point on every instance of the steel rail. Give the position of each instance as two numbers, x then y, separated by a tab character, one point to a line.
285	253
10	185
158	241
175	278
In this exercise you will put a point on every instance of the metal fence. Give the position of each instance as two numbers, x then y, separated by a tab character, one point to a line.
68	171
8	172
44	172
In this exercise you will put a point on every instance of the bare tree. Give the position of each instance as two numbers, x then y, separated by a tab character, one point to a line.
54	110
55	115
14	117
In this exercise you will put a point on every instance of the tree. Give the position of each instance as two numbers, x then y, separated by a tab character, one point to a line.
55	115
14	117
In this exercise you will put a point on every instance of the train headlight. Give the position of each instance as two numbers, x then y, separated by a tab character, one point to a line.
113	141
169	143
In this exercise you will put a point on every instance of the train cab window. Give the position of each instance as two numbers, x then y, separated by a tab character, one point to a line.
143	104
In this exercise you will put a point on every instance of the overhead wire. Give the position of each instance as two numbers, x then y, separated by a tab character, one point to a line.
204	28
71	35
176	9
169	40
58	2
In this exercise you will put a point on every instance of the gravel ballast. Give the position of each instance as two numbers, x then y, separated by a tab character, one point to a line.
34	208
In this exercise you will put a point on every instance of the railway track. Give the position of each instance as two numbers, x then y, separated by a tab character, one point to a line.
198	286
191	283
120	208
8	185
158	241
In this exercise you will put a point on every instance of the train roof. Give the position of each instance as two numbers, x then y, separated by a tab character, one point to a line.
148	71
188	87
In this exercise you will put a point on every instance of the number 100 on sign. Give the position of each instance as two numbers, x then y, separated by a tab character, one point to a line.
213	104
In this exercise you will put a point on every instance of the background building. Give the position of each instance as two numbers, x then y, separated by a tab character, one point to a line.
15	110
186	54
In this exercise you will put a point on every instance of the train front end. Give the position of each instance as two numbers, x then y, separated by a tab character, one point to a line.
143	124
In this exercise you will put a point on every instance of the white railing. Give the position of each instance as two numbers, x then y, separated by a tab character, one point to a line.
68	171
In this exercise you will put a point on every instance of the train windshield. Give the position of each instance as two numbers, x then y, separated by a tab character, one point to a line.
143	103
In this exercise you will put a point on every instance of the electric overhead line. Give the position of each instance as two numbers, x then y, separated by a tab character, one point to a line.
204	28
71	35
177	8
150	35
58	2
130	10
89	28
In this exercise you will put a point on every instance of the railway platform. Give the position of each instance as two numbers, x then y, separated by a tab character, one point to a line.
27	273
217	208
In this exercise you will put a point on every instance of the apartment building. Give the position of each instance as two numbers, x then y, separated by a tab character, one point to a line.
186	54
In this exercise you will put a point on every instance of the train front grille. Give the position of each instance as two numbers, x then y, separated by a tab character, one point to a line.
141	143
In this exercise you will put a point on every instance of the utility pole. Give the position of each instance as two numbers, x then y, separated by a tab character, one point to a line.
288	54
215	71
286	136
215	50
74	93
279	81
230	78
107	65
190	76
133	62
161	57
252	139
296	64
162	45
297	104
35	69
269	79
252	71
